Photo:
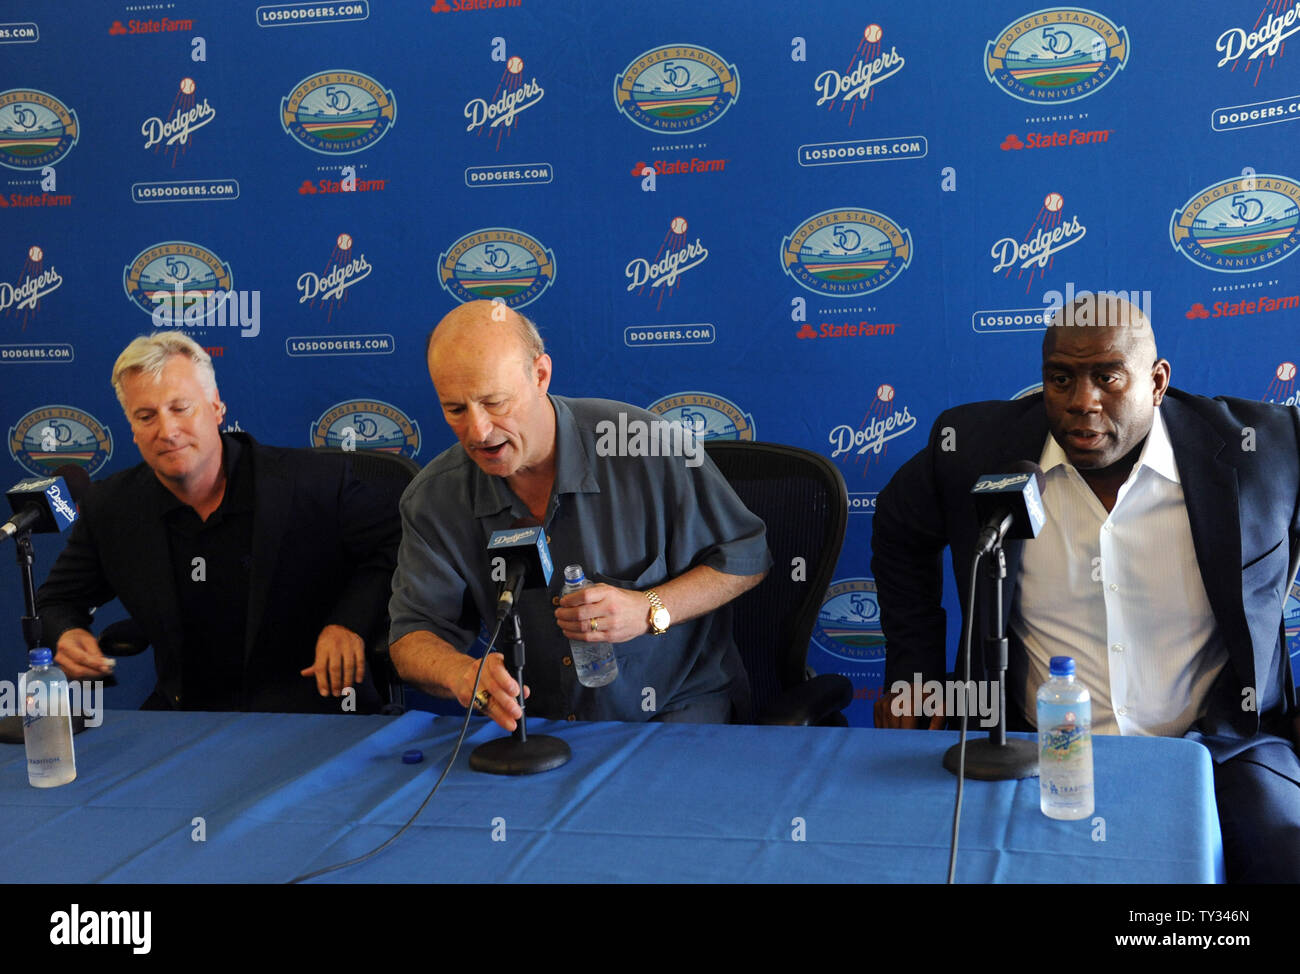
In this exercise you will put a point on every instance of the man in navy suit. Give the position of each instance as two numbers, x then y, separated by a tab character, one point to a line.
1172	538
257	573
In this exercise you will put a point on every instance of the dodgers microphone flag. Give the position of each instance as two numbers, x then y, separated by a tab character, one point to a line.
40	504
530	545
998	494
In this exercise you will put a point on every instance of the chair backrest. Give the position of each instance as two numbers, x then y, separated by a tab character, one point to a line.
800	496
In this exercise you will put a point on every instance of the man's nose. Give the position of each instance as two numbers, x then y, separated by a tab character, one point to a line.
1084	396
168	425
480	424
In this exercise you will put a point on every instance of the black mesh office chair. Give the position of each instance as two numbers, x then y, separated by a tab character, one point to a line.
800	496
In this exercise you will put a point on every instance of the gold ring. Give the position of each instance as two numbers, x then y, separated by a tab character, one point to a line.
593	624
482	700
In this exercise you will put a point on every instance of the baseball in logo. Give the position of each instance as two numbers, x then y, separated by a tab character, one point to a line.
344	269
497	116
22	298
868	66
1048	235
661	275
171	134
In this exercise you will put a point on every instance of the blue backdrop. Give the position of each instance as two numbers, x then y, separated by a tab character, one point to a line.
818	224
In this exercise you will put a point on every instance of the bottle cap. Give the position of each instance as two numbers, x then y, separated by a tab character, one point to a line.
573	573
1062	666
40	657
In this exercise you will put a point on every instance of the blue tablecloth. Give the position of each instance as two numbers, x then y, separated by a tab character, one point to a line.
280	795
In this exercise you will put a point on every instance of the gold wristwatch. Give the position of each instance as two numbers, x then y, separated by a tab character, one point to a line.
658	617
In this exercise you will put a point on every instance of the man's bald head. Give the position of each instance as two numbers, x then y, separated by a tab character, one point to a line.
1132	335
490	323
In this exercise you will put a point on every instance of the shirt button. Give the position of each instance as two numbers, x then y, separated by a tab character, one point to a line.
1106	528
567	661
1122	711
1114	587
1117	648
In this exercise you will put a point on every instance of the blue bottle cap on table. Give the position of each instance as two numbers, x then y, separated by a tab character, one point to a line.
1062	666
413	756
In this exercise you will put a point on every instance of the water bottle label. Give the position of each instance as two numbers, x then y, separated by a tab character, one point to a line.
1066	742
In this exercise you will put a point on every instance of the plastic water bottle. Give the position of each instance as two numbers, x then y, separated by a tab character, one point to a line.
47	722
594	662
1064	744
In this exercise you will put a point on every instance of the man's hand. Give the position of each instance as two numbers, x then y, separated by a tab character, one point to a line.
885	716
340	661
78	655
502	692
618	614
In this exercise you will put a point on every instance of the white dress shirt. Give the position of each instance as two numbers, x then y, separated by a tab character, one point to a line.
1121	592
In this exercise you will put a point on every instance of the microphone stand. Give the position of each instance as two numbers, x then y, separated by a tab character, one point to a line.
519	753
996	758
11	728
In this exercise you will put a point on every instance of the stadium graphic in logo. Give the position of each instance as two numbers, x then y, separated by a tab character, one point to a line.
497	262
710	416
177	282
1239	224
36	129
846	253
867	69
848	625
338	112
1282	389
23	297
676	88
676	255
1291	623
367	424
51	436
1056	55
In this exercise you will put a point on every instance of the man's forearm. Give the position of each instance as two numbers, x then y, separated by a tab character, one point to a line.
700	590
428	662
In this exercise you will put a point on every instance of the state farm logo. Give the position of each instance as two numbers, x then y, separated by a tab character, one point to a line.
676	167
1263	39
1058	54
883	422
869	66
512	96
676	255
35	281
1250	306
1047	236
343	270
338	112
171	135
676	88
164	26
36	129
1055	140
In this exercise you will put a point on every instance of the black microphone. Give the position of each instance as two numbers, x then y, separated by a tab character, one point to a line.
40	504
1010	505
527	561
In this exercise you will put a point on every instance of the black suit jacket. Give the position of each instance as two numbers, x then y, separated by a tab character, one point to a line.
324	550
1239	462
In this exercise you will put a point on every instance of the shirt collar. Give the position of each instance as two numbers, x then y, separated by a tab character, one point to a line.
1157	453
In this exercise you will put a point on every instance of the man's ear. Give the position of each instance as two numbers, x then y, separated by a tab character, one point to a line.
1160	374
542	370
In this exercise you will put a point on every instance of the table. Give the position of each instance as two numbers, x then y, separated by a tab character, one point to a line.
273	796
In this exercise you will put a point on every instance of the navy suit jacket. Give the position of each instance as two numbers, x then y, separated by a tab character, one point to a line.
324	550
1239	462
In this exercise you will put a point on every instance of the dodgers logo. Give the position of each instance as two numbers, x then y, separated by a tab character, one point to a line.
1266	38
710	417
36	129
1282	388
342	271
512	96
186	116
848	625
676	255
1239	224
676	88
1036	249
882	422
338	112
35	281
497	262
869	67
169	279
367	424
51	436
1058	54
846	253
